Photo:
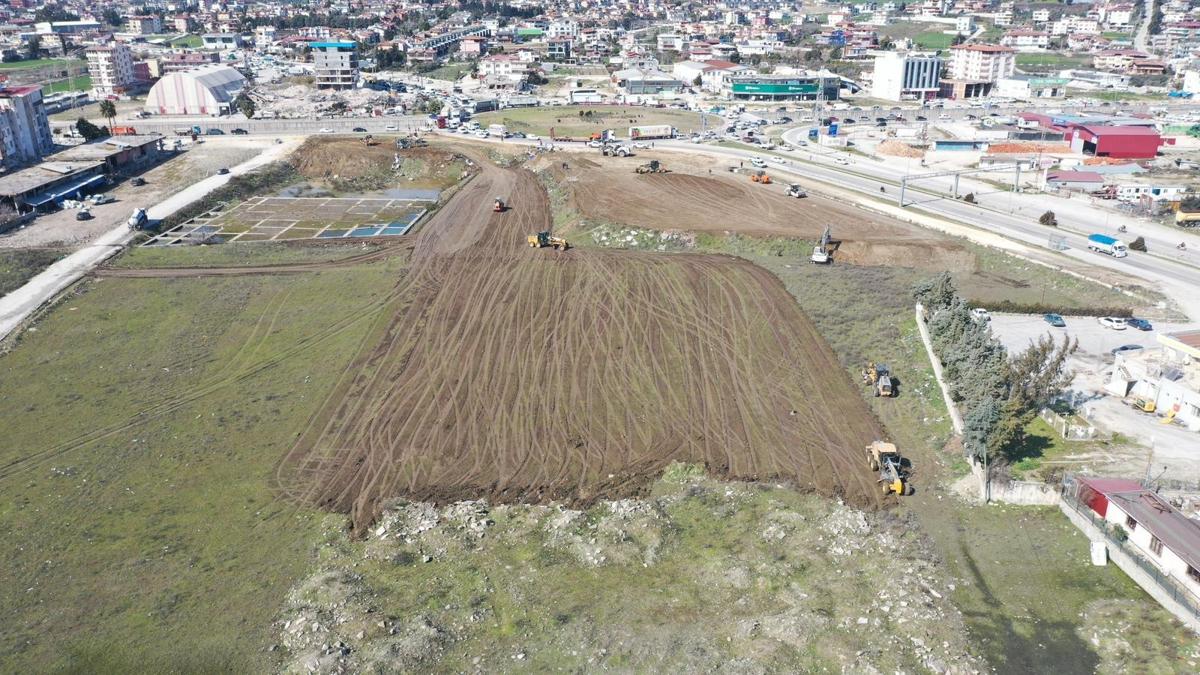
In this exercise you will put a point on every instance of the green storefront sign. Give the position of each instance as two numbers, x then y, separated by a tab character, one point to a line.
776	88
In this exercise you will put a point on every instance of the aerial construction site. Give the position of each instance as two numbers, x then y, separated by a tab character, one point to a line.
443	404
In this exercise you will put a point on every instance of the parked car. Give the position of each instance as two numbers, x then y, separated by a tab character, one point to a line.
1139	324
980	314
359	130
83	214
326	130
535	137
1054	320
99	199
1127	348
239	132
137	181
1113	322
222	171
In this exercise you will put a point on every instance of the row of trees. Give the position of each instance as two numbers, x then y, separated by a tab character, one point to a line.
998	393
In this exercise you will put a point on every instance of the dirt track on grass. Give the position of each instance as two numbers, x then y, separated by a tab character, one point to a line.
515	374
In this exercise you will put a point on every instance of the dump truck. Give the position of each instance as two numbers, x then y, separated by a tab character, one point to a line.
543	239
820	254
879	377
1187	218
893	474
653	166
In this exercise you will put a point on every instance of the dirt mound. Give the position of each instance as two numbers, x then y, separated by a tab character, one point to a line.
516	374
350	159
719	202
933	254
899	149
1009	148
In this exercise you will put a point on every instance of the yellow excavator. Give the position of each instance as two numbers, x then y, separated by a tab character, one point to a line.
893	475
542	239
880	379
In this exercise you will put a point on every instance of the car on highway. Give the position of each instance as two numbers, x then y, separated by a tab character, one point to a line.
1113	322
756	161
921	118
1139	324
535	137
482	133
390	127
594	144
326	130
1055	320
1125	349
359	130
239	132
848	121
215	132
777	159
222	171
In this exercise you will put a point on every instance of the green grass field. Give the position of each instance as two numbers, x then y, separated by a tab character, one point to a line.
189	41
40	63
566	120
19	265
1052	61
933	40
142	422
236	255
82	83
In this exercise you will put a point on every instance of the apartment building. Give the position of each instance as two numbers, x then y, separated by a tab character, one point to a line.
975	69
111	69
906	77
1026	40
24	129
143	24
335	64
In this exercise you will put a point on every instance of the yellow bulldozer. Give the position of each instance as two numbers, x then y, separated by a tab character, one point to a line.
880	378
653	166
543	239
893	474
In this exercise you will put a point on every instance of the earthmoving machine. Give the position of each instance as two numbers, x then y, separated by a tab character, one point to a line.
820	254
138	220
880	379
653	166
893	475
499	206
543	239
794	190
1144	404
760	176
616	150
369	140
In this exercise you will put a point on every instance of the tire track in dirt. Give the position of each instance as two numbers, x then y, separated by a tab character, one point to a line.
515	374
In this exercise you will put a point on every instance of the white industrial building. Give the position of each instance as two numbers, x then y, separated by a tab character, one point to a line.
906	77
209	90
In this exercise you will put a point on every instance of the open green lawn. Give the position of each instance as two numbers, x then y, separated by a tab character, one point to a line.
19	265
451	71
566	121
240	255
142	423
1052	60
40	63
189	41
933	39
82	83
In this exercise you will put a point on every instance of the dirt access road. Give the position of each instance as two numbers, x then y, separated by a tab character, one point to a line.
517	374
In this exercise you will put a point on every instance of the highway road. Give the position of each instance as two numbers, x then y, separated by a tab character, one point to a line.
269	127
1178	277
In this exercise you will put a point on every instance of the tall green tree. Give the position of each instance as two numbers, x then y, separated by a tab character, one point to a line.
108	110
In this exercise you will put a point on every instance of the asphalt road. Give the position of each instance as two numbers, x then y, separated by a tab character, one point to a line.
265	127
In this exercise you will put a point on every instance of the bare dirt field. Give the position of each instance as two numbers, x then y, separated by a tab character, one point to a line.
515	374
349	164
720	202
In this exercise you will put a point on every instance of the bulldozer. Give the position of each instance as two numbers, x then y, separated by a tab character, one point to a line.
499	206
893	475
543	239
880	379
653	166
369	140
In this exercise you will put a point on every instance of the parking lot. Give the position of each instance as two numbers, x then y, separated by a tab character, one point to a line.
1175	450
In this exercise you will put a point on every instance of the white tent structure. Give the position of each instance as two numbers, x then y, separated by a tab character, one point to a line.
208	90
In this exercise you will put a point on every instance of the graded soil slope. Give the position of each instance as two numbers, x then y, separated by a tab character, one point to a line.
517	374
608	190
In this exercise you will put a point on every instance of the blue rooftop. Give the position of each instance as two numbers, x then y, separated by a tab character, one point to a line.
332	45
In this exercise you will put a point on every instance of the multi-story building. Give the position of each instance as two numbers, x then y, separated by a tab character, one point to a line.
821	86
906	77
1072	25
974	70
562	29
143	24
500	68
111	69
558	50
1026	40
335	64
24	129
173	63
221	41
265	37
